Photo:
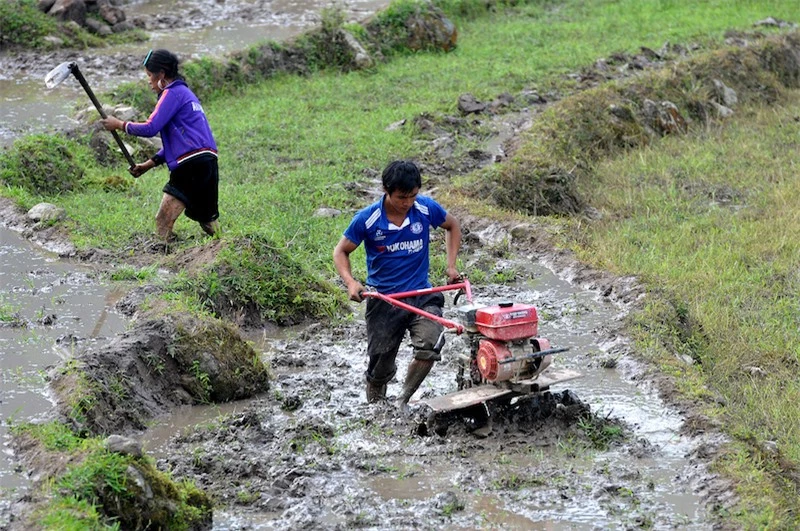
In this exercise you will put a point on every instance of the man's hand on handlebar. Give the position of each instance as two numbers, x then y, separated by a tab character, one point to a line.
453	276
354	290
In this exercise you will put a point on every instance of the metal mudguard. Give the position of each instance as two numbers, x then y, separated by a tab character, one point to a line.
483	393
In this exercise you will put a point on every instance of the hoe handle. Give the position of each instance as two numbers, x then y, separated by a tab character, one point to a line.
79	76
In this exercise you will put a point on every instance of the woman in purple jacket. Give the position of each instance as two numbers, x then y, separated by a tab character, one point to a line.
188	148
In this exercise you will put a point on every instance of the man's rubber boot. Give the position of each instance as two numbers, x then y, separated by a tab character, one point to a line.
417	371
375	393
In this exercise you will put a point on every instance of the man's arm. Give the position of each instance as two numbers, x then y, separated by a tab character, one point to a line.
341	259
452	238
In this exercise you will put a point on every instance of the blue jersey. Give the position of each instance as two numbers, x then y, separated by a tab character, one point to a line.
397	257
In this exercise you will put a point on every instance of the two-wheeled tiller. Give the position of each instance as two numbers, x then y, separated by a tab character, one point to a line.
507	359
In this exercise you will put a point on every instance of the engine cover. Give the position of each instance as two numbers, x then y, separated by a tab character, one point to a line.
490	353
507	321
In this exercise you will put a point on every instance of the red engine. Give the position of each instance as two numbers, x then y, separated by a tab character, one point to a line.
507	321
507	332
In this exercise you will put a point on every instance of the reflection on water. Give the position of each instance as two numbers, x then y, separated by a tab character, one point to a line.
52	305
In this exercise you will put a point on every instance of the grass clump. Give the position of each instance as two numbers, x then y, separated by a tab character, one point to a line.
23	23
24	26
130	273
254	279
408	26
94	488
44	164
224	366
326	46
9	314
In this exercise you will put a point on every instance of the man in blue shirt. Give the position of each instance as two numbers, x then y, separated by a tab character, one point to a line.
396	234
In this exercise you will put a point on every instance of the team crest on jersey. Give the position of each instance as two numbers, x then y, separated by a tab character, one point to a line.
379	235
416	228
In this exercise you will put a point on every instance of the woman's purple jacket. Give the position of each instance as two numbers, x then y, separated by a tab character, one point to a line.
180	119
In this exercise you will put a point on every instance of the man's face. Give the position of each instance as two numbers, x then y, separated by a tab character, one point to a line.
400	201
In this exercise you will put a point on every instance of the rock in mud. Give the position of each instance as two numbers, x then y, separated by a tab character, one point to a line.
46	212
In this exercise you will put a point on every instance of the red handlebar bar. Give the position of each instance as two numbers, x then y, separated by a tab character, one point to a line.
393	300
460	285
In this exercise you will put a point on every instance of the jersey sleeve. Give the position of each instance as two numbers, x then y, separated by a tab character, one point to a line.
356	231
165	109
436	212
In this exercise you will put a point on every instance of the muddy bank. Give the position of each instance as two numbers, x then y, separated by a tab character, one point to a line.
160	364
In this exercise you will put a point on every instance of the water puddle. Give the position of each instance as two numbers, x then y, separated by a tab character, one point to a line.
571	317
47	307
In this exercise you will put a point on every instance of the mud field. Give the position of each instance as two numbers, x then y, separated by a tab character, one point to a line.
613	449
604	451
314	455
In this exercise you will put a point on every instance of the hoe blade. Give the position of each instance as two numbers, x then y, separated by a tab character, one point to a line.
58	74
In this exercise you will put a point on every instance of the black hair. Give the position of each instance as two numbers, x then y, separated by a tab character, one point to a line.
162	61
401	175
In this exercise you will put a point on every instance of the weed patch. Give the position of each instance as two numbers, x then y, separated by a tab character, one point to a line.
23	25
408	26
44	164
253	280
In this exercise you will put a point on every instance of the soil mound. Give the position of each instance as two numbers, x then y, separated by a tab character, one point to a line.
158	365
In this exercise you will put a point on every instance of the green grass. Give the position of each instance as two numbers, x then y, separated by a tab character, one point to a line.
711	225
9	313
288	144
24	26
21	22
129	273
94	490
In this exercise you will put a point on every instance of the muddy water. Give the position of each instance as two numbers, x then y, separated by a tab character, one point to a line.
378	469
56	306
574	318
204	28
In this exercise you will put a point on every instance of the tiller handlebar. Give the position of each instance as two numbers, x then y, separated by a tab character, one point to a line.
393	299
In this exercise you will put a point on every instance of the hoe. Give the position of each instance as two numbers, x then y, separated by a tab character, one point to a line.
62	72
